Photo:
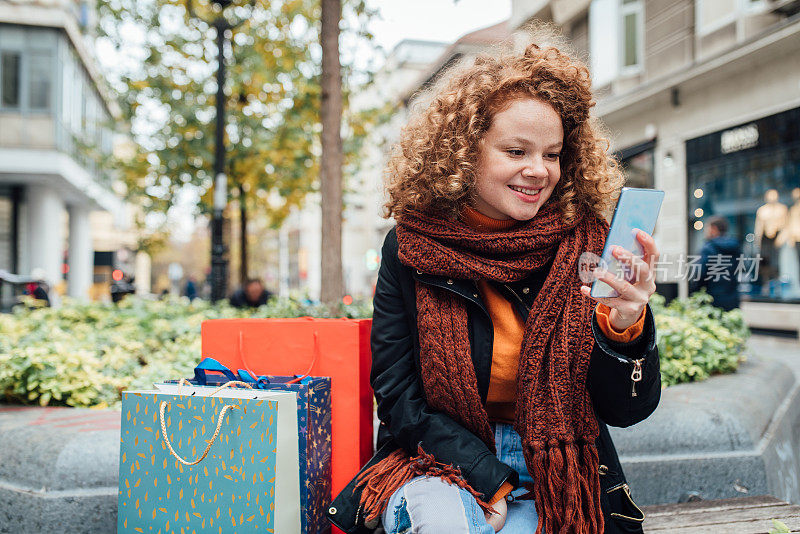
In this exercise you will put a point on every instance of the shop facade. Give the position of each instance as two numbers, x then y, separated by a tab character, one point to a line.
722	138
750	174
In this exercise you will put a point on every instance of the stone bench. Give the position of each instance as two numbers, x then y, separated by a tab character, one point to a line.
772	316
58	470
743	515
729	436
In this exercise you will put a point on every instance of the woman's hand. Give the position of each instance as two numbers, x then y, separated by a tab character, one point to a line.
499	519
627	307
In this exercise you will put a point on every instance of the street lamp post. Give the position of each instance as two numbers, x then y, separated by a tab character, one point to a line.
219	256
219	252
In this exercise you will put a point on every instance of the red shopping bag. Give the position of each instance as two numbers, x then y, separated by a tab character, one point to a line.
338	348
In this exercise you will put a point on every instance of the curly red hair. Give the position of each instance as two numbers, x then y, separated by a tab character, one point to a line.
433	166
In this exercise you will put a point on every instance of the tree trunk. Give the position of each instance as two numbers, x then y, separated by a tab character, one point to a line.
243	275
331	163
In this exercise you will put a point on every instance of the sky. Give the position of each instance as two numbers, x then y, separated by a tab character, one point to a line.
433	20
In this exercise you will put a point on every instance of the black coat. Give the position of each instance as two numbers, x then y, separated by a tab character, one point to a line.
407	420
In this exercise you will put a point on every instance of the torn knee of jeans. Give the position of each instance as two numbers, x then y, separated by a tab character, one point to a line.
402	521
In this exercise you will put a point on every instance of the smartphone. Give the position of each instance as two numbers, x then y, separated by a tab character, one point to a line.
636	209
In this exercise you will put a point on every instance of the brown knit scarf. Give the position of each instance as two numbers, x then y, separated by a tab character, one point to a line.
553	413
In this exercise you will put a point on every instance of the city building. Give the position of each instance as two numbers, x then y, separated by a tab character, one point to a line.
53	111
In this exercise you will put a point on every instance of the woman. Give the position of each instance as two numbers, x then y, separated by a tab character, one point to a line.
494	371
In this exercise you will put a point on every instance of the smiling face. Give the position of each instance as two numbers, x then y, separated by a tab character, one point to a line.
519	160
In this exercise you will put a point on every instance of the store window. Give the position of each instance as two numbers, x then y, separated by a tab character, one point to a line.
750	174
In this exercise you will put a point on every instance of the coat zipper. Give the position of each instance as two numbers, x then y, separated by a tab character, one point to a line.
636	376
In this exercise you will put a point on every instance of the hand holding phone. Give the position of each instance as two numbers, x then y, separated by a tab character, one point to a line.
625	279
637	209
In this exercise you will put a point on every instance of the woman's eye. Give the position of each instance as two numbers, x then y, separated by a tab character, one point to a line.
554	155
516	152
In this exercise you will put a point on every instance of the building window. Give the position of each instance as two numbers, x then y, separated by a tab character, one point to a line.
603	53
712	15
27	68
631	34
40	80
611	56
638	165
10	74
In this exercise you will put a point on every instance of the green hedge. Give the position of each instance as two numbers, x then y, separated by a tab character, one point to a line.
86	354
697	340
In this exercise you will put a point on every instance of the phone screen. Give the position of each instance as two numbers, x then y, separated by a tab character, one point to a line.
636	209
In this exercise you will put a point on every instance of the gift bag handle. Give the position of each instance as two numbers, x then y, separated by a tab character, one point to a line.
299	378
296	379
225	408
210	364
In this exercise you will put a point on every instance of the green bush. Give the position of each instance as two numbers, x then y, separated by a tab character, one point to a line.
85	354
697	340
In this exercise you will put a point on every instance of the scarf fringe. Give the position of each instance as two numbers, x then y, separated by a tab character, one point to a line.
382	480
566	488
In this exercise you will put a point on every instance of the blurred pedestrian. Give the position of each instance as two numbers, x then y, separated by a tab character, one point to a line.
251	295
38	287
190	289
718	261
122	288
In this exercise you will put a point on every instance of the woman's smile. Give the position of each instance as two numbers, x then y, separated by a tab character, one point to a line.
526	194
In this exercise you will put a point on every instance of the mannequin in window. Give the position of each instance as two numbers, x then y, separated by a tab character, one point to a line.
790	238
790	235
771	218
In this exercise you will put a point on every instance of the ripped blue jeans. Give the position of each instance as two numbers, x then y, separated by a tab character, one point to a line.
430	506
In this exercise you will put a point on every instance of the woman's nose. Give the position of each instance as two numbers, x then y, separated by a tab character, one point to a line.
535	168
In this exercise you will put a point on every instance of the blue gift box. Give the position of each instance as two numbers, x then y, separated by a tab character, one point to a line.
314	433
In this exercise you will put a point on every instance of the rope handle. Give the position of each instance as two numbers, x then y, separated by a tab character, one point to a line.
183	382
313	361
230	383
162	409
210	442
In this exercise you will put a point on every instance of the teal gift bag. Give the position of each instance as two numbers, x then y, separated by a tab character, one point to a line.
205	460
